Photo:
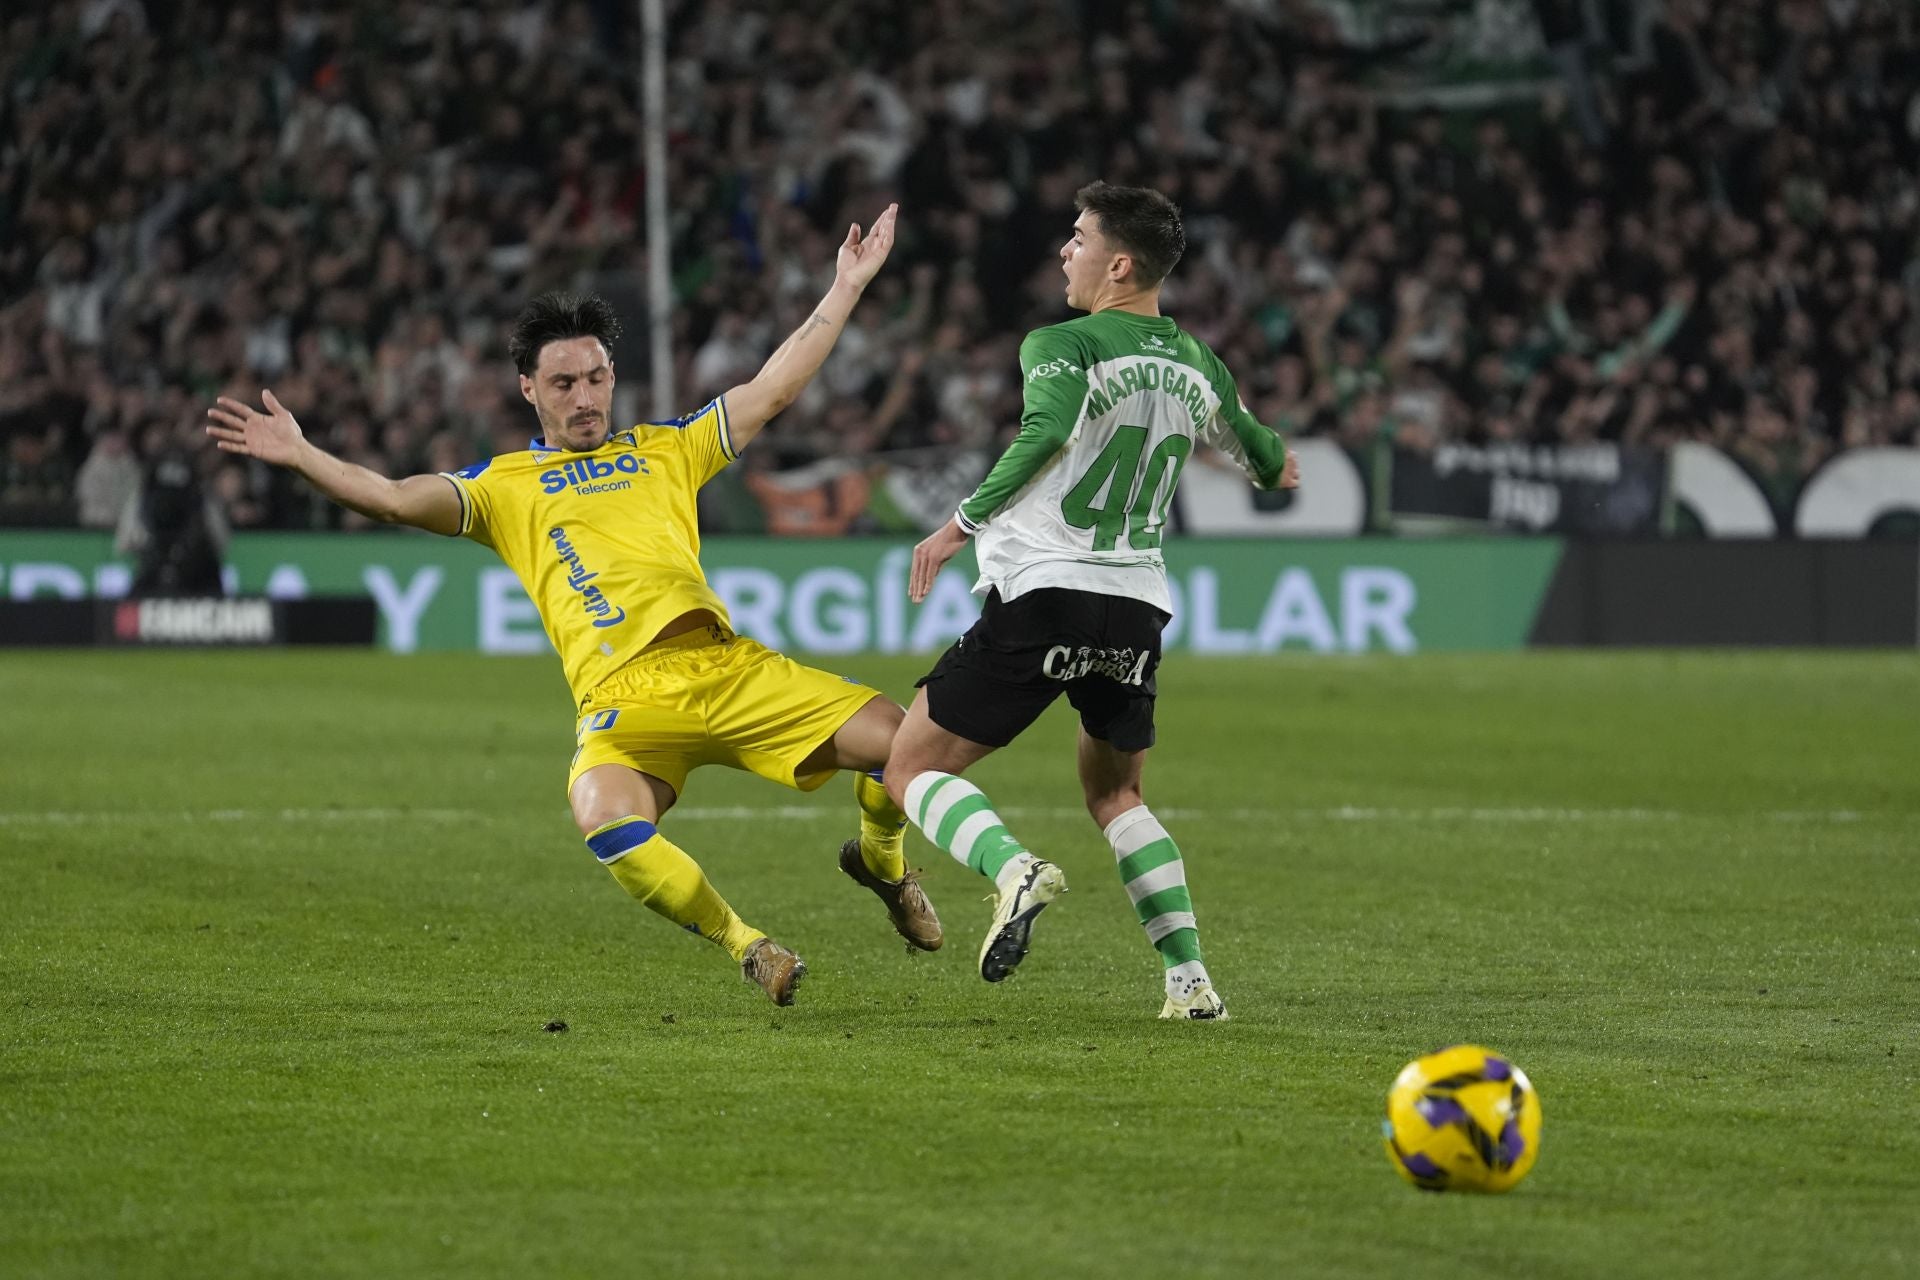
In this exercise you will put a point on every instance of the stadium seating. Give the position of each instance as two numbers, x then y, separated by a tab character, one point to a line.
1708	234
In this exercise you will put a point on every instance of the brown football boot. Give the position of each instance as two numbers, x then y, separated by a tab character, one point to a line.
906	901
776	970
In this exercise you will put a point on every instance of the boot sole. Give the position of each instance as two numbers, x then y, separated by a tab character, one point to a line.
784	997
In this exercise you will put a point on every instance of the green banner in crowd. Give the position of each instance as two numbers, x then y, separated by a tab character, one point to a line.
849	595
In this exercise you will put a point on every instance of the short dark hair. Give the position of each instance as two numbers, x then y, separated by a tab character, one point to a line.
555	317
1140	221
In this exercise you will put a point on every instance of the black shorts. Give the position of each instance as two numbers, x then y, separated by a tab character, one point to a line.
1101	651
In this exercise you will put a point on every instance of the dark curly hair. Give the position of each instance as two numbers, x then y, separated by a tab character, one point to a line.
555	317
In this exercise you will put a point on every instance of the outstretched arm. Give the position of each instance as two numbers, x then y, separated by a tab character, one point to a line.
1055	391
792	366
425	502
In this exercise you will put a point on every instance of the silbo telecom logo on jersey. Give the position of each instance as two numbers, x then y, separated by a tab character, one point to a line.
594	475
1156	344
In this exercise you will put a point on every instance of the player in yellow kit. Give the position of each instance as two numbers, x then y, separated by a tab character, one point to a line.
600	526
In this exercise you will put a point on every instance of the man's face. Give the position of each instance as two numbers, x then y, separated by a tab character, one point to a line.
572	391
1087	258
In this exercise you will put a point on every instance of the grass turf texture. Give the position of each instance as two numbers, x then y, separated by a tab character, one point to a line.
310	1042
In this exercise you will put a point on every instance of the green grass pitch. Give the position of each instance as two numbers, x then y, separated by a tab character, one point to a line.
281	933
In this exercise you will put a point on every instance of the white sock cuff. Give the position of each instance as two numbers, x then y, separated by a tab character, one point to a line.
1133	829
916	792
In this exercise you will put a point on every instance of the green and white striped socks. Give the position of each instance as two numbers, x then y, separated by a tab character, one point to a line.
1156	880
952	812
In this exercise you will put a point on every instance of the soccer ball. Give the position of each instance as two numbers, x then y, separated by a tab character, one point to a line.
1462	1119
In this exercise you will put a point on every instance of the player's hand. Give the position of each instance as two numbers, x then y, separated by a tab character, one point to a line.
930	556
1290	471
240	428
860	258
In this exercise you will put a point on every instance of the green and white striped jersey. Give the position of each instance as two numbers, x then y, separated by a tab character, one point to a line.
1114	403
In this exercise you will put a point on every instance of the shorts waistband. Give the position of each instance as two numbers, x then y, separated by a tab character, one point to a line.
699	637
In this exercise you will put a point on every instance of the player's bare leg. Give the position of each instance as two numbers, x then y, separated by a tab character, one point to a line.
617	809
920	745
876	859
1153	873
862	742
923	776
600	795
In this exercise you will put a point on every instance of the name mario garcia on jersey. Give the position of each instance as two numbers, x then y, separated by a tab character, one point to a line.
586	475
1108	385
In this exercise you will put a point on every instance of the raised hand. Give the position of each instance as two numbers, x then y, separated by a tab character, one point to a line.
859	258
240	428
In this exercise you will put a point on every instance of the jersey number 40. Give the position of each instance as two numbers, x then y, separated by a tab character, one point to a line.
1115	497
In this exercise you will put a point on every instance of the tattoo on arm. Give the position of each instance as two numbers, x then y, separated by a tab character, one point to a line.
814	321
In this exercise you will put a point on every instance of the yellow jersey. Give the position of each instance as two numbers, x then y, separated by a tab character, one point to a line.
606	543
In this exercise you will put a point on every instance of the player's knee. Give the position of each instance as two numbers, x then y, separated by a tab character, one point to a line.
591	817
904	762
591	812
896	777
1104	804
605	795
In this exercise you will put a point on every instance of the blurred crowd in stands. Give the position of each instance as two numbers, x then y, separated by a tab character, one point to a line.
1706	228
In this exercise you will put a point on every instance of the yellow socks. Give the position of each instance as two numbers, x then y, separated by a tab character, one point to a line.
883	829
658	872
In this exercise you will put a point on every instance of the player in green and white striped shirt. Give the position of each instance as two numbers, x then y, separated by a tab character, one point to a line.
1067	528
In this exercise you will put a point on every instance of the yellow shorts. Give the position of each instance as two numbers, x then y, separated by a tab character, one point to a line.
712	697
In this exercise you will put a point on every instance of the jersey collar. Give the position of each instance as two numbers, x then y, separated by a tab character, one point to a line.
539	443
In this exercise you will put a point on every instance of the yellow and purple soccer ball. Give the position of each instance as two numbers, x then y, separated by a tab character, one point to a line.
1462	1119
